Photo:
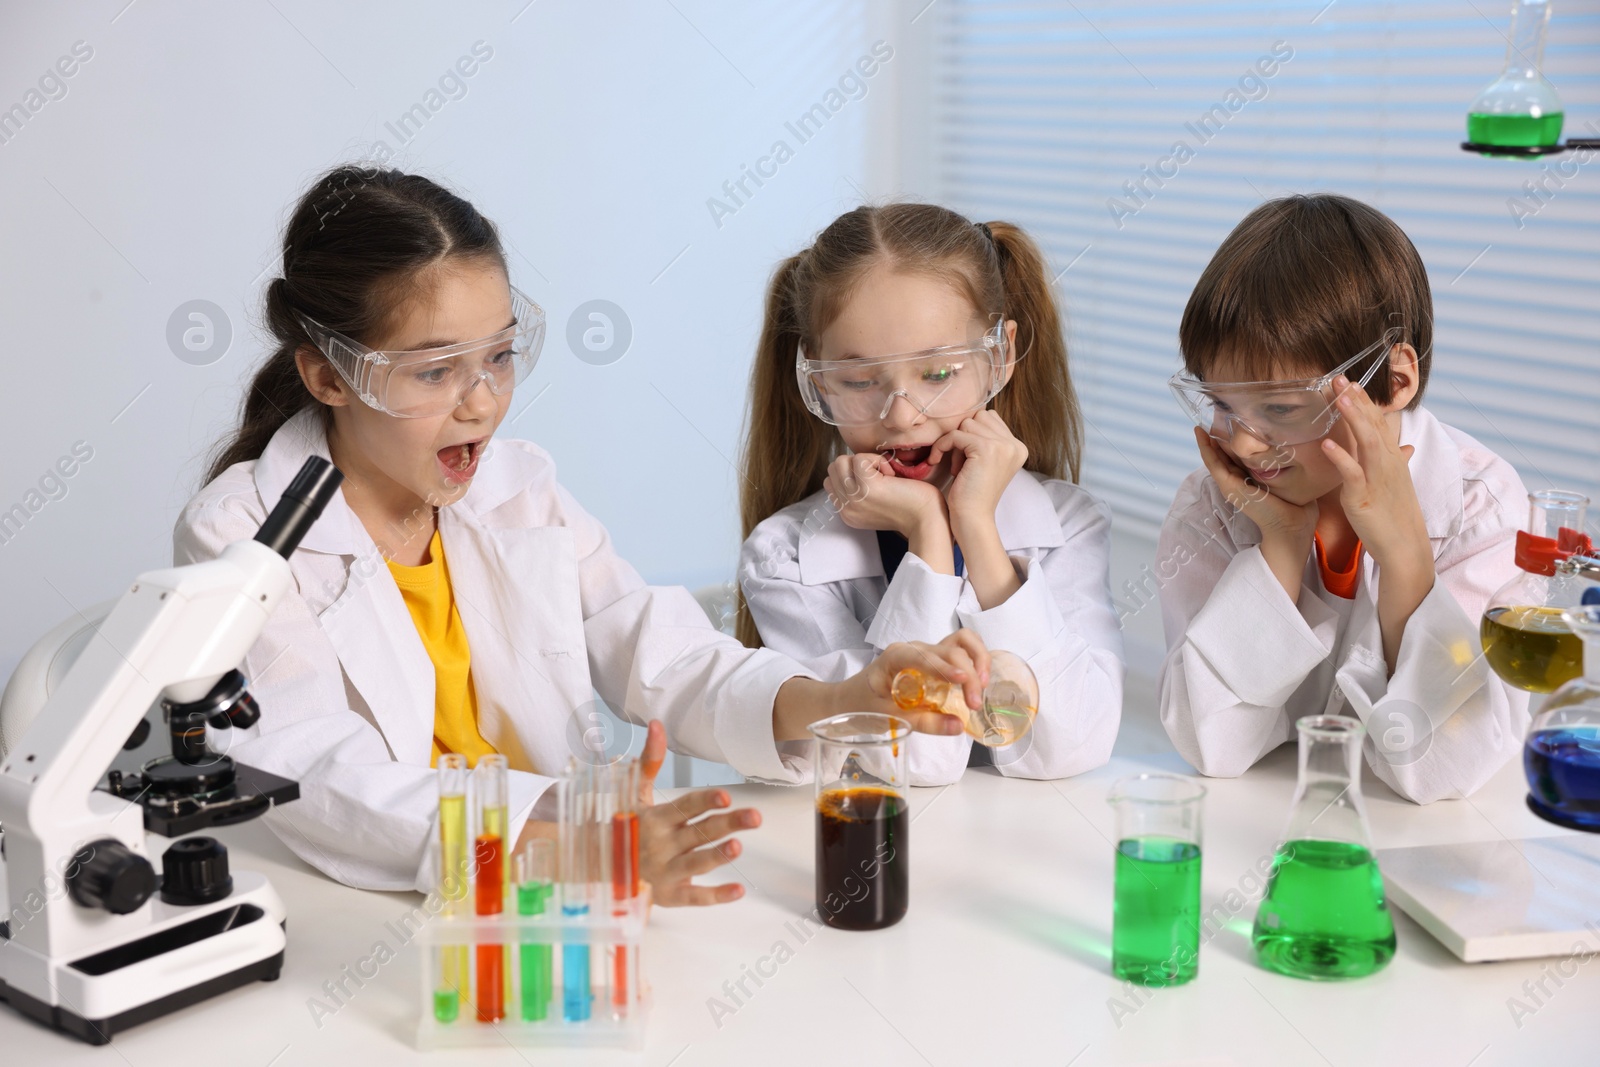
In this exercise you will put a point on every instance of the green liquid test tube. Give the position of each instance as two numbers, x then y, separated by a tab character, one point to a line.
535	885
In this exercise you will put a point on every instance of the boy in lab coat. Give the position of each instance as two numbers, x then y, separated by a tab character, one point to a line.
1337	550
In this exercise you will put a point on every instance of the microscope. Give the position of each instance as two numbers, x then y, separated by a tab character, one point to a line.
96	938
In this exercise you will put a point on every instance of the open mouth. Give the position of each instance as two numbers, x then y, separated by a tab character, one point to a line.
1266	475
910	462
460	462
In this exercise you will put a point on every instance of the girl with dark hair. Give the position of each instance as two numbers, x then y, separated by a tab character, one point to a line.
454	597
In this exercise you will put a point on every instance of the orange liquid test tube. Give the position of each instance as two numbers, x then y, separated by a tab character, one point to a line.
624	875
490	777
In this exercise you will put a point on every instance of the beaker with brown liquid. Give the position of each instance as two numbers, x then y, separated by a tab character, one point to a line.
863	820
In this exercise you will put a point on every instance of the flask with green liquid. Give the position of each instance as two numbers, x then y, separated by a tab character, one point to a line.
1324	915
1520	108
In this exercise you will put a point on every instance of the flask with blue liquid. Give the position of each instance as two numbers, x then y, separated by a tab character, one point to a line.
1561	756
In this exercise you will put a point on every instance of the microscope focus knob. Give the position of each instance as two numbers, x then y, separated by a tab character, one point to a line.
112	876
195	871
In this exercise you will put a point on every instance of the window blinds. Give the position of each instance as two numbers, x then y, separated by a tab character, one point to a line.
1130	139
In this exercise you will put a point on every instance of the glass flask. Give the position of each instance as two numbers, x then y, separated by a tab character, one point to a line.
1523	635
1561	757
1324	914
1010	700
1519	109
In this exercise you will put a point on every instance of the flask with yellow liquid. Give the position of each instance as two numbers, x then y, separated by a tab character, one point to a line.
1524	637
1010	700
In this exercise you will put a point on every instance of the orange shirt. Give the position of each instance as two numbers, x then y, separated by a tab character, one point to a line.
1340	583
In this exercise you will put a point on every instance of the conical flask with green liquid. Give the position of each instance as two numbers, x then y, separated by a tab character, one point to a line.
1324	914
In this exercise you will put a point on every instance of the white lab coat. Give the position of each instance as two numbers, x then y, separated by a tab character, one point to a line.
817	592
1244	663
551	613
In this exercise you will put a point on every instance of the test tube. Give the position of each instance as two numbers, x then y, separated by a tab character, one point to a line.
624	877
577	839
453	882
496	820
535	876
489	777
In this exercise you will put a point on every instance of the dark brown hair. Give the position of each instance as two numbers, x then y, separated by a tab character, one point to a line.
1304	283
360	243
998	268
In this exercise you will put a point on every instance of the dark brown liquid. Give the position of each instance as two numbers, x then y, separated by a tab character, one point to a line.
861	858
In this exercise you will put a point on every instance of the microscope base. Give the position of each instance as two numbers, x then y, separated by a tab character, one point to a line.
101	1031
188	955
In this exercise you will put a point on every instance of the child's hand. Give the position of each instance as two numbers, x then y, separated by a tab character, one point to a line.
670	841
1287	529
1273	514
960	659
1380	501
984	456
869	496
1378	496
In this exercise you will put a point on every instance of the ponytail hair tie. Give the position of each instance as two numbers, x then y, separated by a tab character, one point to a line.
999	251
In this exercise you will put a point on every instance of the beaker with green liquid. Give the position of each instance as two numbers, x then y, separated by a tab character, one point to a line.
1520	108
1155	925
1324	914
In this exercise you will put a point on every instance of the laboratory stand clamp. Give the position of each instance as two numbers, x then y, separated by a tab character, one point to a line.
95	939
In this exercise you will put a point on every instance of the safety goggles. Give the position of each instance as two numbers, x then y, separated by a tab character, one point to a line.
433	381
938	382
1276	412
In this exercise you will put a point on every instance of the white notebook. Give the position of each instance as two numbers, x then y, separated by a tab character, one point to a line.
1501	900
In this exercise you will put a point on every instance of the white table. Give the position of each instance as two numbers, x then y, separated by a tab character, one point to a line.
1003	958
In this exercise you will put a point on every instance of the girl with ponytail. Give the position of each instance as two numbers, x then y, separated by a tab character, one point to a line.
454	597
912	445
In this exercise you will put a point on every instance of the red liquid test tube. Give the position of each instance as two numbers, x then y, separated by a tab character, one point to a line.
491	958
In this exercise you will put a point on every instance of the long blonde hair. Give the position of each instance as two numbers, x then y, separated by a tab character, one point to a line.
997	266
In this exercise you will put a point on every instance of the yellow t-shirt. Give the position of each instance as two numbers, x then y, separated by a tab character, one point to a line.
432	604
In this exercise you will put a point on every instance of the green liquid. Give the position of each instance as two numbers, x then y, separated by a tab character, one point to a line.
1515	130
534	959
1324	915
1155	933
454	884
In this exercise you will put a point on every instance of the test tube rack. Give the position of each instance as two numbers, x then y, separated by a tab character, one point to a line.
615	1018
549	950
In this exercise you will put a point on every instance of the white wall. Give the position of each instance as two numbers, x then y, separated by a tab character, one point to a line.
594	135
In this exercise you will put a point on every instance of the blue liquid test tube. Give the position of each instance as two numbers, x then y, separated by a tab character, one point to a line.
577	850
577	997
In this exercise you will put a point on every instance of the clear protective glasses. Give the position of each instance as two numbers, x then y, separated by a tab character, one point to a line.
938	382
423	382
1276	412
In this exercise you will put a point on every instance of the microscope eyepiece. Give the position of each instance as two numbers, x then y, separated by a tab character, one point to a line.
300	505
